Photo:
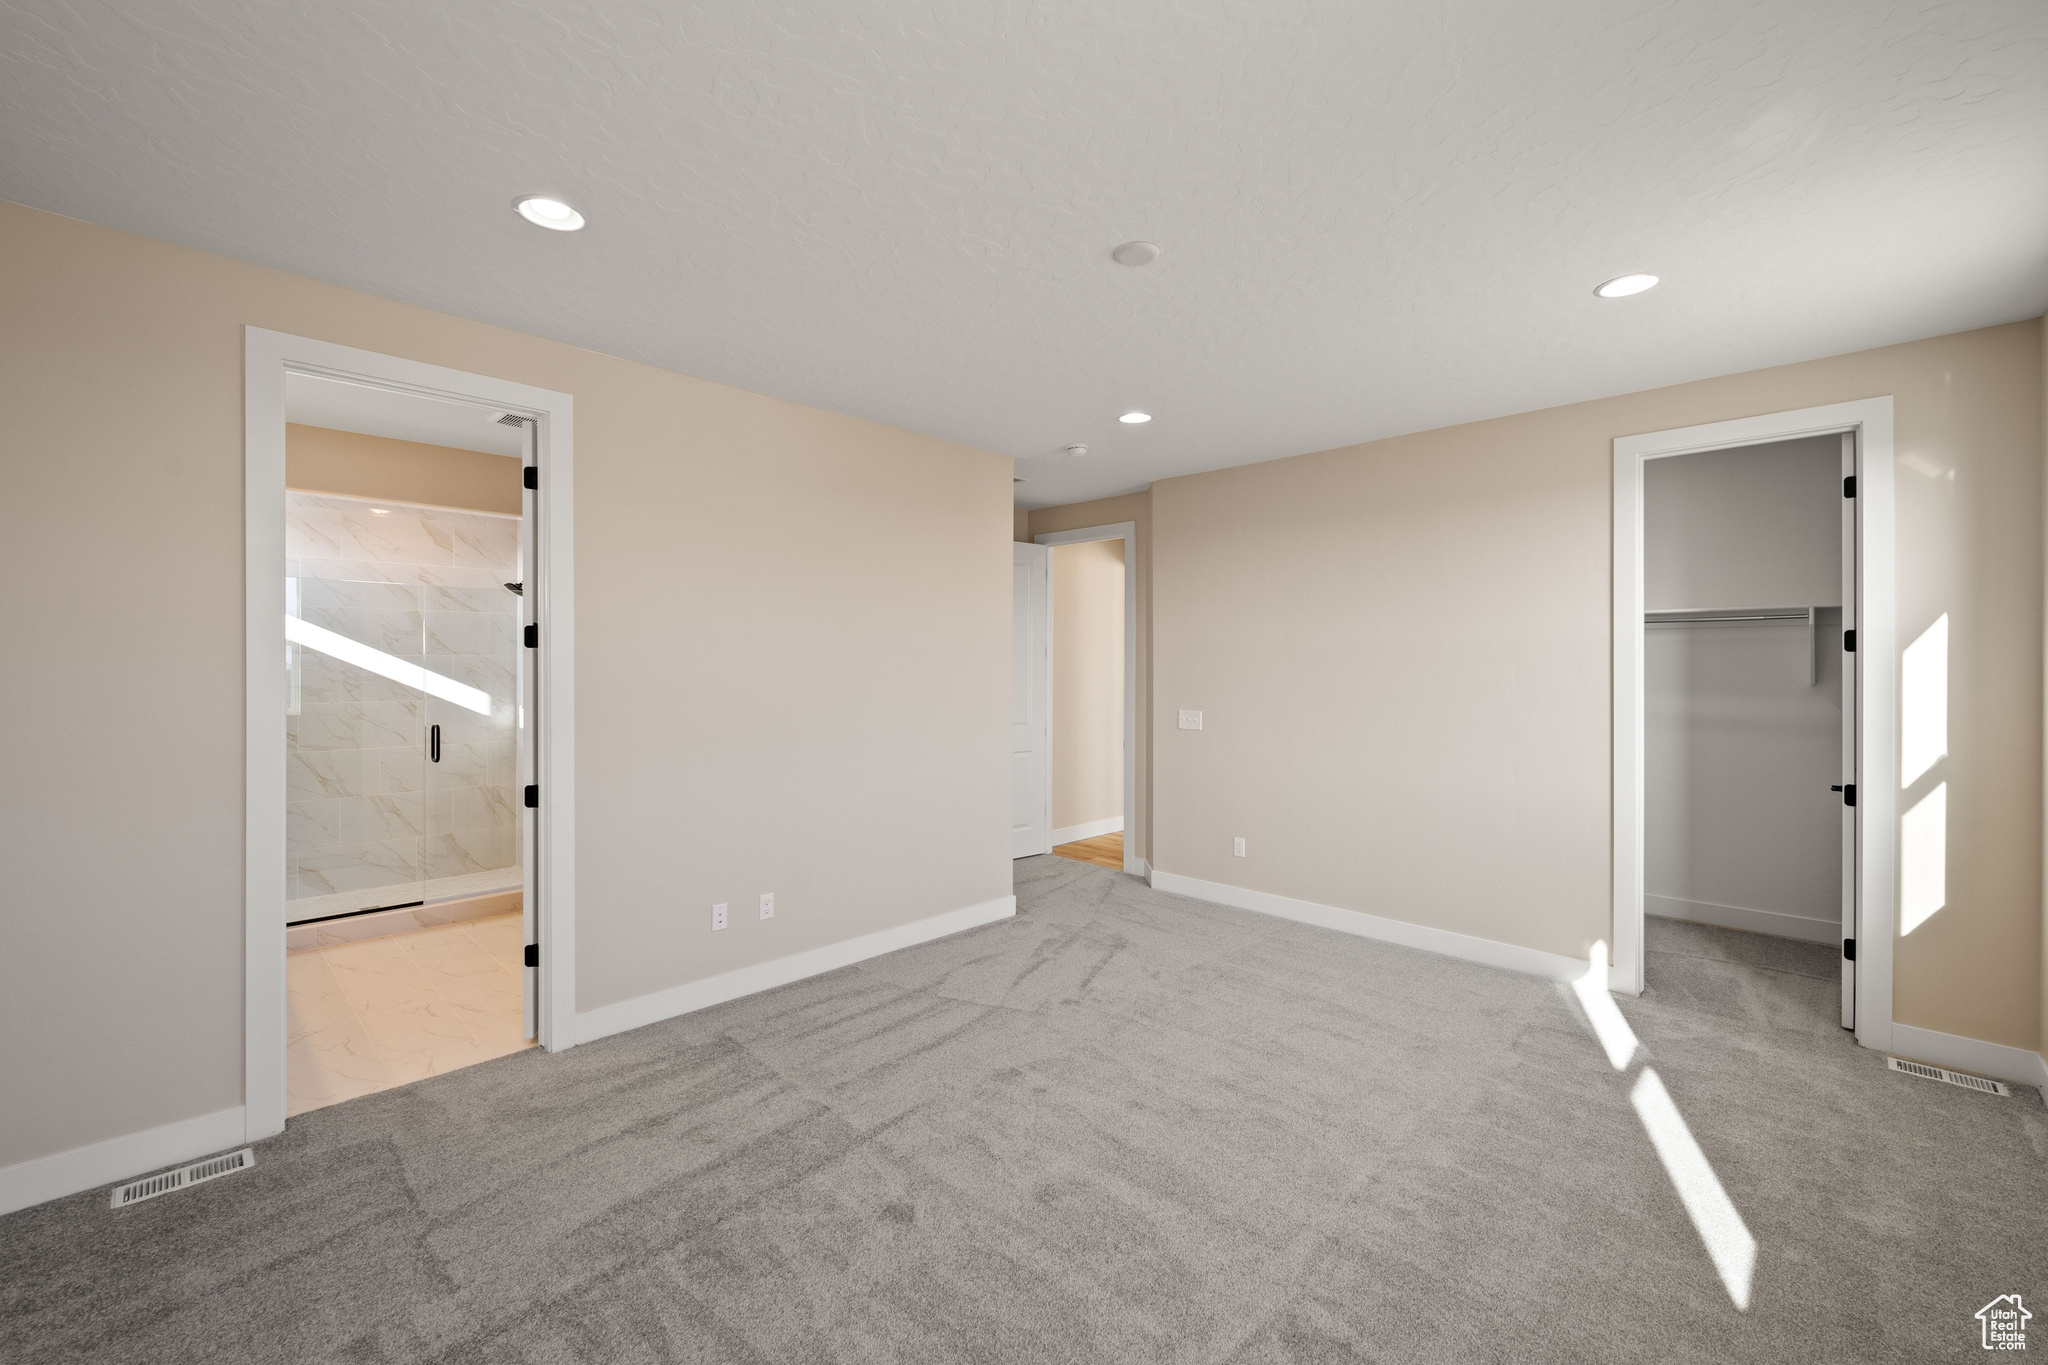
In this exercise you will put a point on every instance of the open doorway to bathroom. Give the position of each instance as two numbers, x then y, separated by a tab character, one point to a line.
405	578
1093	691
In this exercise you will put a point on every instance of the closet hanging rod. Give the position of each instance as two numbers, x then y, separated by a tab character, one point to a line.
1731	614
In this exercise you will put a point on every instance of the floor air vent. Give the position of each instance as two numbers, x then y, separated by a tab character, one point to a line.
150	1186
1942	1073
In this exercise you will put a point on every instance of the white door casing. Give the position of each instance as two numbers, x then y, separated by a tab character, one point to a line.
1873	757
1850	813
1031	702
549	587
526	751
1127	532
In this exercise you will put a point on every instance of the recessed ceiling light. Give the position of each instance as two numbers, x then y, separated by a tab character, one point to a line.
1135	417
542	211
1621	286
1135	253
1077	451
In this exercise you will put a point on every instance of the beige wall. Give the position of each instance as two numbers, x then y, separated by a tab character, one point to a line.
1402	652
793	640
322	460
1137	509
1020	525
1087	683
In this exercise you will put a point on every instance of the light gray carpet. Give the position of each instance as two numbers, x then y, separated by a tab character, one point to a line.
1123	1127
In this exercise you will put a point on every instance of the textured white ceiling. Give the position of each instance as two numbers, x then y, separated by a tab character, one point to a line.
320	402
1378	217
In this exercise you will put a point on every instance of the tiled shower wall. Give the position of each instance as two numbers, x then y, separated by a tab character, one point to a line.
368	811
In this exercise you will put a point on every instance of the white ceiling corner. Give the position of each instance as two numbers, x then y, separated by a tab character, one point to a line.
1376	217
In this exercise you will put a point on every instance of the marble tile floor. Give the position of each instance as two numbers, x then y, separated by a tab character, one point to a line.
363	1017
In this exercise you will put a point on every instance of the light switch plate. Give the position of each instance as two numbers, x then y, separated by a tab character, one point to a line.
1237	847
1191	720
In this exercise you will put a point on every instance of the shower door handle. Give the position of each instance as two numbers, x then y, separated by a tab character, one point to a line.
434	743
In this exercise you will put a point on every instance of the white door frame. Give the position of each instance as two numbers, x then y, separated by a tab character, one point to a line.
1127	532
1876	763
268	358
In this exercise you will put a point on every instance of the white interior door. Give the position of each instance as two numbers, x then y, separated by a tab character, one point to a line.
1851	811
1031	702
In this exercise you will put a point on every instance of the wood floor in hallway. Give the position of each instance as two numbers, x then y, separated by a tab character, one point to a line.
1104	850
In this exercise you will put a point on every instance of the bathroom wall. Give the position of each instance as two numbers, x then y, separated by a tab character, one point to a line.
371	818
351	464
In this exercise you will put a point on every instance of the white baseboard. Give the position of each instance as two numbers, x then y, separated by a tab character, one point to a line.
1091	830
642	1010
1971	1054
1828	931
1493	953
117	1159
1137	866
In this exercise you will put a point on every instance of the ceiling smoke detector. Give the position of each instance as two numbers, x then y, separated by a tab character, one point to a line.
1077	451
1135	253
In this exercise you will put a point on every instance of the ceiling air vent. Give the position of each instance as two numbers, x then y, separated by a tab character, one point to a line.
150	1186
1942	1073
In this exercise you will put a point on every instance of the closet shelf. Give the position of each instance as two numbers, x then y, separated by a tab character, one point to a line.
1810	617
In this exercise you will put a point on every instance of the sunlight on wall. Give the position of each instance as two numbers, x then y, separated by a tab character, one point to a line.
1728	1239
1923	860
1923	703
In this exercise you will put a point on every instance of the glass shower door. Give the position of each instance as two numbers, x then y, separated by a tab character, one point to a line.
356	763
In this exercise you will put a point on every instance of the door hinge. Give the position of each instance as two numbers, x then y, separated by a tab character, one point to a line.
1848	486
530	476
533	798
533	954
1848	640
1848	949
1848	791
533	637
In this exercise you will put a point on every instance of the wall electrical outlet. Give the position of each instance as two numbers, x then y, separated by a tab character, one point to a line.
767	905
1191	720
718	915
1237	847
